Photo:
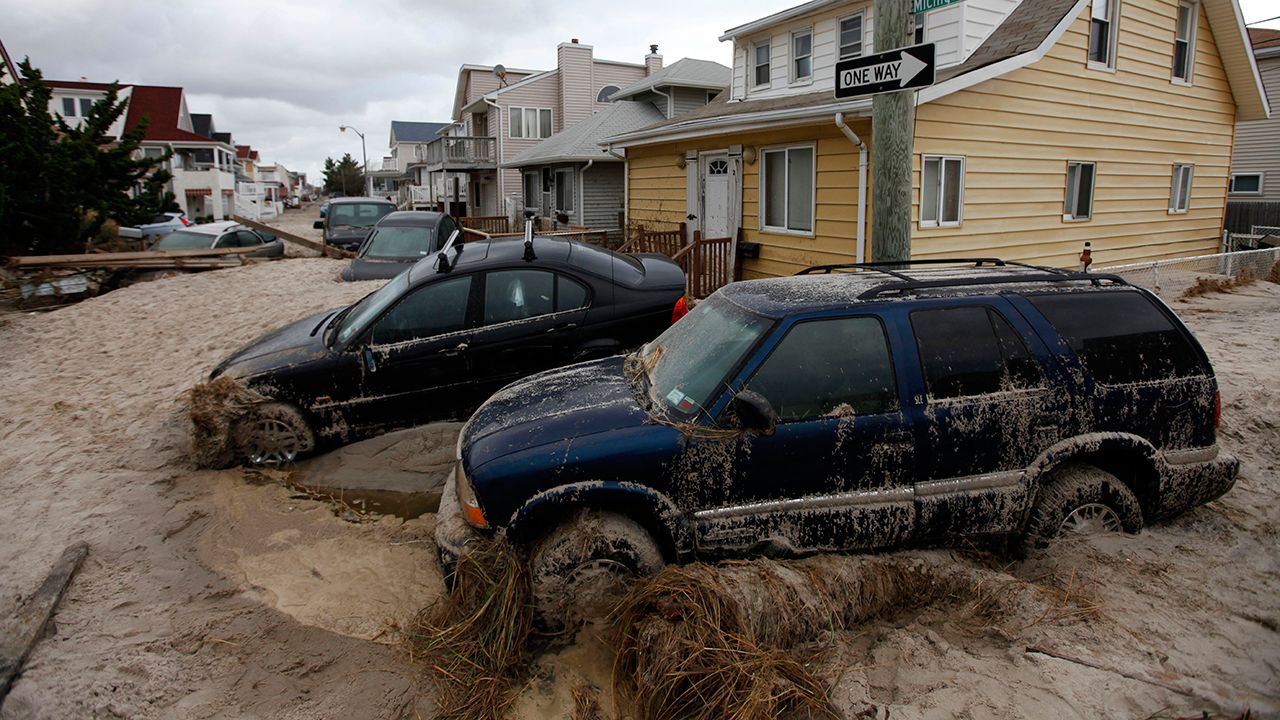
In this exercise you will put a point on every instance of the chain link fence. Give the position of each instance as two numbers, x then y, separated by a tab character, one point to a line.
1170	279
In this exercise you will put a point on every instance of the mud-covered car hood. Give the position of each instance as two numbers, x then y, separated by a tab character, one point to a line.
552	407
294	343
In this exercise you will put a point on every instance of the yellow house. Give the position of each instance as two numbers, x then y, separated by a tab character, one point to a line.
1052	123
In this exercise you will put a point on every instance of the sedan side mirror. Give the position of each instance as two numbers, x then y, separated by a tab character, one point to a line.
318	225
754	412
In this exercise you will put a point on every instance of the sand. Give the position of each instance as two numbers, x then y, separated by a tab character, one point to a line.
212	595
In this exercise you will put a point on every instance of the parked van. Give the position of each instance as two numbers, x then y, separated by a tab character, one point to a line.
349	220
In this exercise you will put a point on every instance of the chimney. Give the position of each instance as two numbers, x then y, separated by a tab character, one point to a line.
576	63
652	61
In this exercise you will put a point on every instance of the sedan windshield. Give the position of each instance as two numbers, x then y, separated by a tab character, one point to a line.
184	240
399	242
359	315
689	364
358	215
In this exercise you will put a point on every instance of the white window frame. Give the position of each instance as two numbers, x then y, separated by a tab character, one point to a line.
1113	32
1070	213
571	183
796	77
1177	185
1193	10
72	101
756	64
862	35
1262	178
938	222
537	114
786	192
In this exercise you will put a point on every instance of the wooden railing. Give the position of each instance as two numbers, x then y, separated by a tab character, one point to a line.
468	151
707	264
666	242
491	224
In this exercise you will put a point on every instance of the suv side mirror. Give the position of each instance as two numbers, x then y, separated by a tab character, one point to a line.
754	412
318	225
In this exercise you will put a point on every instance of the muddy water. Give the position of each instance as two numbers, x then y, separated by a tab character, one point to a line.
404	505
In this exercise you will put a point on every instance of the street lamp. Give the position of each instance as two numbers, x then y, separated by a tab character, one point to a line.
368	181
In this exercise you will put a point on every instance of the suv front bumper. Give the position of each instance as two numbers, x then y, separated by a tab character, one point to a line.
1195	477
453	532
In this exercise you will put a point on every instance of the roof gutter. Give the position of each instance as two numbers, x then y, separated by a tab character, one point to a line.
862	182
726	123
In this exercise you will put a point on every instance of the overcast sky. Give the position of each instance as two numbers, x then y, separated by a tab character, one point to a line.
282	75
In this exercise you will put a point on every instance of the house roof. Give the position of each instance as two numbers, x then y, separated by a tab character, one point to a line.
778	17
581	142
1265	42
493	94
415	132
10	69
686	72
464	77
77	85
163	107
245	152
1023	38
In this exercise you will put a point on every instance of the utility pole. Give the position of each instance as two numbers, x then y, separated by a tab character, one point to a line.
364	155
892	137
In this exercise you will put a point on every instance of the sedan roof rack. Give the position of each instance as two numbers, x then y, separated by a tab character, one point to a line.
904	283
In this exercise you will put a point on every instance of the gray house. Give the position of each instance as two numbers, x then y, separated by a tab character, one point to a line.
573	177
1254	194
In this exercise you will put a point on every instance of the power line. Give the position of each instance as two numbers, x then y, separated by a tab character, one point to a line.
1259	22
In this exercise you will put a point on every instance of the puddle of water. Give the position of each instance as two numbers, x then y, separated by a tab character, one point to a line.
379	502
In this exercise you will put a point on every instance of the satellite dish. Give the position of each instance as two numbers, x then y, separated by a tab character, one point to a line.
500	71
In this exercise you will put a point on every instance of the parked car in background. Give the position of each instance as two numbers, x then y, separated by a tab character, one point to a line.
349	220
226	234
442	336
399	240
849	411
161	225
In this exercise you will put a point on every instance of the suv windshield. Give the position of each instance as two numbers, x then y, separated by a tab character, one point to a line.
356	317
184	240
359	215
689	363
399	242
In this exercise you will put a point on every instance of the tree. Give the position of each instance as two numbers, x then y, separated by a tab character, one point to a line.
343	176
59	184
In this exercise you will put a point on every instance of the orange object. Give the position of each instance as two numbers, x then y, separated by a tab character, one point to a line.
681	309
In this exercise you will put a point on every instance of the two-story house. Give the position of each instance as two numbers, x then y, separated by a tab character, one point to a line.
402	167
1051	123
570	176
203	166
1254	193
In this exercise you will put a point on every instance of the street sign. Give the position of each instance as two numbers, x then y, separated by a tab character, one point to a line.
919	6
901	69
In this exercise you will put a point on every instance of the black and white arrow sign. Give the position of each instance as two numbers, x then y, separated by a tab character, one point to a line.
901	69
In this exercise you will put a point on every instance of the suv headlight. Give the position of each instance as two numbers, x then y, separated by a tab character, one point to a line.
467	499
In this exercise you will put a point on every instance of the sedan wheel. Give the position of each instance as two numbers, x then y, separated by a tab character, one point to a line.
274	435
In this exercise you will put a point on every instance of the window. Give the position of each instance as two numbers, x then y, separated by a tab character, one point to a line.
1180	195
85	106
1184	41
68	107
606	92
533	123
532	196
152	152
851	37
822	365
786	195
1246	183
1079	204
971	351
761	51
434	309
941	190
518	294
1121	336
802	55
564	191
711	95
1102	34
718	167
569	294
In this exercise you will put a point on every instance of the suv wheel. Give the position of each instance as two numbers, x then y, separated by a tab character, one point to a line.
273	435
1081	499
582	567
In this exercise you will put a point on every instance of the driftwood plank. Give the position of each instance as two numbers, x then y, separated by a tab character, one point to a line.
319	247
100	258
29	622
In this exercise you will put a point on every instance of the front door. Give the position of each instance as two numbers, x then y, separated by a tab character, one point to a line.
717	196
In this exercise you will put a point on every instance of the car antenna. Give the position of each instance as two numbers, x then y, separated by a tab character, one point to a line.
442	260
529	216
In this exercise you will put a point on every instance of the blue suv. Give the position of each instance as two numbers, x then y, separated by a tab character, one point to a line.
854	407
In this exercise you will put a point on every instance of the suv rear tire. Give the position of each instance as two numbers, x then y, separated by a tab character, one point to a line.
582	566
273	434
1081	498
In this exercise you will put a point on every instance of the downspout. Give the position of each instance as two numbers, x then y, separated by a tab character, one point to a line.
626	186
581	212
862	182
502	196
653	88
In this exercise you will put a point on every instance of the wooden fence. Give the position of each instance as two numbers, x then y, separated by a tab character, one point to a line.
666	242
708	264
492	224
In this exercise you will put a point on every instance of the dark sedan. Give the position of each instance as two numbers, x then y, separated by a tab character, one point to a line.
438	339
399	240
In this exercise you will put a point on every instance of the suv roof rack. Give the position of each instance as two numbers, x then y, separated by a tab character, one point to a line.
906	283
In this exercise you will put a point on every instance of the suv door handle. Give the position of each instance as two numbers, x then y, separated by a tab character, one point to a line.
461	348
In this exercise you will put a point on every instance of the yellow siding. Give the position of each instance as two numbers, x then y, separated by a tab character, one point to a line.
1018	131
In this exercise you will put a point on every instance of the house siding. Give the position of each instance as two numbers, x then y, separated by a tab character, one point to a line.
685	99
1258	141
602	184
1018	131
609	73
541	93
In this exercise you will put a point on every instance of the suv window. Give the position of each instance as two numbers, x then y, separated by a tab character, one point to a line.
971	351
823	364
1121	337
434	309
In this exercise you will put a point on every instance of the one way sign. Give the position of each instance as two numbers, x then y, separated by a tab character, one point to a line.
901	69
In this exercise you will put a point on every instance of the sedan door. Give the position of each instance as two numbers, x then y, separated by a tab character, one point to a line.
837	471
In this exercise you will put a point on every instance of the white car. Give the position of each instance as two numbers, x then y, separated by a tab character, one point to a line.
160	225
224	234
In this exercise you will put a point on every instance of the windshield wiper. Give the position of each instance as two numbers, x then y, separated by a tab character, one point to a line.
337	320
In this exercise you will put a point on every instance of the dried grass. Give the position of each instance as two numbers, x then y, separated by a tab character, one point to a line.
476	638
214	406
585	704
1274	275
1205	285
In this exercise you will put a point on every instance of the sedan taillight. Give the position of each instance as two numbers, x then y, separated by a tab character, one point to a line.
680	310
185	222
